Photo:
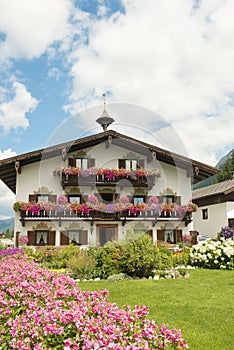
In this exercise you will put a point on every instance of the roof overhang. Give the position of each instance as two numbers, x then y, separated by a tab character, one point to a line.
10	166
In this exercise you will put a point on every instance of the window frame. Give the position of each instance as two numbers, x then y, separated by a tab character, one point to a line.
165	198
74	196
135	197
84	163
45	234
136	162
169	236
46	195
205	215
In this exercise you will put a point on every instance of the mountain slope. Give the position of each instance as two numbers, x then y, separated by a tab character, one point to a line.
210	180
6	223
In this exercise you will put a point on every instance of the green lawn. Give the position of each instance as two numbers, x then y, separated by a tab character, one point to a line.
201	306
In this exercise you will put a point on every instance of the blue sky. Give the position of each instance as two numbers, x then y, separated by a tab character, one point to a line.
175	59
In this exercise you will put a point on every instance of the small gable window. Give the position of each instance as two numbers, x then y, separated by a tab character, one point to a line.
205	214
131	164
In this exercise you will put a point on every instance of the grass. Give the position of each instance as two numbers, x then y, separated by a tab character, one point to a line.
201	306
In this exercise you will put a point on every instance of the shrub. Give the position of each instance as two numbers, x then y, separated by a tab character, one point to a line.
82	265
41	310
107	260
139	257
181	258
213	254
162	260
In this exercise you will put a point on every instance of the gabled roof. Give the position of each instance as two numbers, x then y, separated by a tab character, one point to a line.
198	171
224	188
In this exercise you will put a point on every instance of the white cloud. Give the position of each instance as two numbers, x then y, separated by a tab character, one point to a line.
31	25
7	153
170	57
13	113
7	197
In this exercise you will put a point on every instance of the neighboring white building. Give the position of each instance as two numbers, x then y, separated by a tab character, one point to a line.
112	183
215	208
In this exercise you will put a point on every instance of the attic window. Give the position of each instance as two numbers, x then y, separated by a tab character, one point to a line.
82	163
131	164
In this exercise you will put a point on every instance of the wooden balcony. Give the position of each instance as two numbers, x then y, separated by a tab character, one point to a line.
94	215
101	180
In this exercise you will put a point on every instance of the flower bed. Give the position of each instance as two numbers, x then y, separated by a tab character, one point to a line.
213	254
40	309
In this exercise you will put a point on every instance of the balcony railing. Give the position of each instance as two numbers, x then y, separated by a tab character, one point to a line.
95	215
91	180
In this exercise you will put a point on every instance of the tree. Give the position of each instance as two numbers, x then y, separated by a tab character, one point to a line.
9	233
228	170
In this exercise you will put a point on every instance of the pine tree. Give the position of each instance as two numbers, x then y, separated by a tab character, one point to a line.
228	169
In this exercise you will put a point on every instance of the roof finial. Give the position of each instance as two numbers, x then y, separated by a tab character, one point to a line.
104	101
105	120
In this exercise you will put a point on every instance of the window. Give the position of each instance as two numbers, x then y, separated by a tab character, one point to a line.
77	237
131	164
43	198
74	199
231	223
169	236
204	214
82	163
138	199
41	237
168	199
106	233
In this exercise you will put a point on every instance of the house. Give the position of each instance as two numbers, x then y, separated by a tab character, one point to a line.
215	208
101	187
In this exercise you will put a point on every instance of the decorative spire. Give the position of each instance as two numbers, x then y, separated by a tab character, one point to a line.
105	120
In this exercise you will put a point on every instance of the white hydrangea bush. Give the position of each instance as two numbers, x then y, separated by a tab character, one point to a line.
213	254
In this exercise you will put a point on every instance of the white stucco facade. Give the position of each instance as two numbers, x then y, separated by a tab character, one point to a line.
38	177
218	215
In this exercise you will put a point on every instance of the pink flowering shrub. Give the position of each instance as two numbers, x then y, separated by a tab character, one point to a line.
40	309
